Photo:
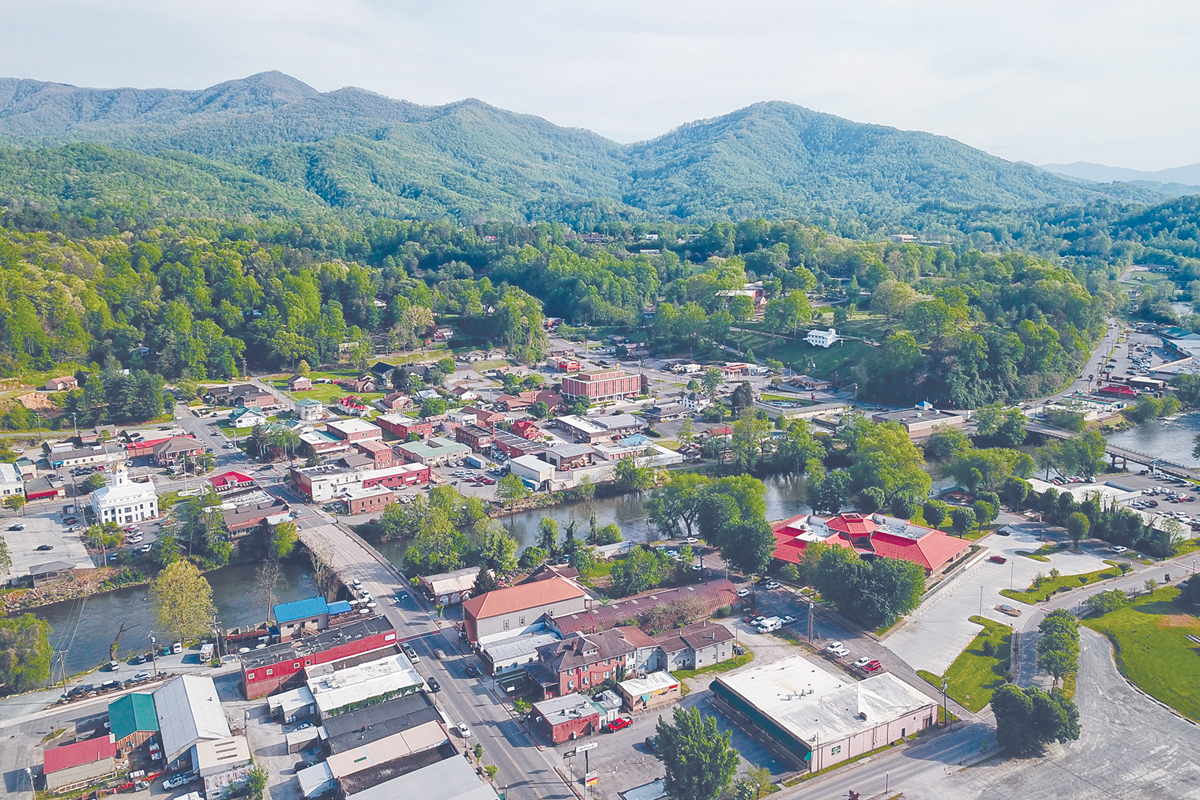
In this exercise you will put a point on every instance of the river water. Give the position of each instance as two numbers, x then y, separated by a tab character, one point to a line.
1170	439
86	627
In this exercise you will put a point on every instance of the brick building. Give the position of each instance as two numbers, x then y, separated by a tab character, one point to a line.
353	430
380	453
402	426
282	666
474	437
562	719
508	612
603	385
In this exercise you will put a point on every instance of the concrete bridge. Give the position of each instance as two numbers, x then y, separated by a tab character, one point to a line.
1121	456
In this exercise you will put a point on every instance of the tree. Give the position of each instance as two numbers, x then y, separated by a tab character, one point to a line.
749	546
687	430
266	584
742	398
283	539
532	558
303	368
485	581
674	506
712	380
5	557
511	489
935	512
183	601
609	534
93	482
1104	602
258	442
696	755
16	502
1189	592
630	477
1078	526
256	782
638	571
582	558
962	520
547	538
1014	491
25	654
1028	718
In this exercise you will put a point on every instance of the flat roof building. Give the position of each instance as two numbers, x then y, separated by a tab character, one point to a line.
435	452
282	666
920	421
820	718
337	691
603	385
353	430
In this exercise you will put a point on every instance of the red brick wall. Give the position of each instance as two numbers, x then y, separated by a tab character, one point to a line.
562	732
257	682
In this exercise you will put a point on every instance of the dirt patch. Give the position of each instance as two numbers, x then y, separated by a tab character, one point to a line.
1178	621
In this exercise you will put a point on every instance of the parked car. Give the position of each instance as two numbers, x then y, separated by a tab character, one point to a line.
434	686
652	743
743	593
841	652
834	646
142	676
463	730
178	780
411	654
862	662
41	548
873	666
472	671
17	526
618	724
1116	549
998	560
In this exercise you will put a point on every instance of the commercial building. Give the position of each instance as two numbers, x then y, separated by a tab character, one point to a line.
11	481
292	705
254	517
873	536
578	662
124	501
821	719
655	690
247	417
436	452
240	394
322	483
336	691
819	338
80	764
474	437
381	454
222	764
515	446
590	430
450	588
353	430
561	719
447	779
189	712
921	420
507	612
365	499
604	385
281	666
569	456
133	720
505	655
301	617
532	469
372	723
369	755
96	455
230	481
403	426
701	644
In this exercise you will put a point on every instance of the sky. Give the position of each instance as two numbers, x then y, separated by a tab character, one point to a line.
1101	81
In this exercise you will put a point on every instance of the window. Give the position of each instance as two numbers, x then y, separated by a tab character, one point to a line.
570	686
505	624
296	665
250	675
270	672
586	680
605	674
522	620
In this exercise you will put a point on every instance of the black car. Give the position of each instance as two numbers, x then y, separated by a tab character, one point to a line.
41	548
434	686
472	671
651	743
17	526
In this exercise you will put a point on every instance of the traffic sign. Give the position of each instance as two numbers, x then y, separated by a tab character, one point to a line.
585	747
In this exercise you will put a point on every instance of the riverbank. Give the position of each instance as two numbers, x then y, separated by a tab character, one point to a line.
87	584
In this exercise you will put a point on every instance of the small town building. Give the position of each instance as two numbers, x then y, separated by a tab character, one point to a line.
247	417
920	421
604	385
41	574
436	452
701	644
222	764
62	384
361	683
300	383
321	443
819	338
12	482
250	517
464	394
874	536
381	454
357	500
579	662
323	482
240	394
513	446
189	712
282	666
562	719
73	766
569	456
713	595
448	779
506	655
45	487
133	720
667	411
403	426
523	401
353	406
527	429
353	430
353	729
485	418
645	694
230	481
474	437
394	401
507	612
532	470
301	617
696	402
820	718
177	450
123	501
309	410
292	705
450	588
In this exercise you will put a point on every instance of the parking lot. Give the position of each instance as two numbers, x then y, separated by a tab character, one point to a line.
42	527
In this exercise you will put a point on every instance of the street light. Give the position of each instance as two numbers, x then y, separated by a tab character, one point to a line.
153	652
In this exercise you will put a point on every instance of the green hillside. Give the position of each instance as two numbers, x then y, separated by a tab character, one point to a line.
359	151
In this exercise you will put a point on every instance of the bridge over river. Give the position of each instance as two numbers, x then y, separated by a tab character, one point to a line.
1123	454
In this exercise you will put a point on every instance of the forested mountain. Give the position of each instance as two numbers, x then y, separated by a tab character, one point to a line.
356	150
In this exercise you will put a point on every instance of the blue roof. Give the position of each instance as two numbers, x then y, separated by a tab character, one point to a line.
339	607
301	609
636	439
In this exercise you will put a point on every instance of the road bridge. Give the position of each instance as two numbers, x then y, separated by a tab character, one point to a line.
1122	454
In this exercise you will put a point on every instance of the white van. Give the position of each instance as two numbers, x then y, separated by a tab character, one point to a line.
770	624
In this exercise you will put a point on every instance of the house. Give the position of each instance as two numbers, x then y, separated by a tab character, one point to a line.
474	437
383	371
247	417
133	720
464	394
354	406
353	430
566	717
527	429
667	411
811	384
394	401
523	401
177	450
282	666
713	595
696	402
250	517
450	588
301	617
73	766
309	410
579	662
920	421
654	690
230	481
701	644
507	612
123	501
361	384
752	290
484	419
62	384
870	536
819	338
189	712
604	385
403	426
820	718
436	452
299	383
12	482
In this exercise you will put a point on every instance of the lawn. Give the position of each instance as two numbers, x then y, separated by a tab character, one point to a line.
830	362
1040	554
722	666
974	675
1050	586
1152	648
325	392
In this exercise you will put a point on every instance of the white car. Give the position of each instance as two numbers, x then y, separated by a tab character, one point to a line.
743	593
692	540
862	662
834	646
178	780
841	652
1119	549
463	730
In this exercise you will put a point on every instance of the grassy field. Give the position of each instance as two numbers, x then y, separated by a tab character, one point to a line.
974	675
325	392
827	363
1152	648
1051	585
1040	554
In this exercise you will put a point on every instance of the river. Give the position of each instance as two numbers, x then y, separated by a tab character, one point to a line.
86	627
1169	439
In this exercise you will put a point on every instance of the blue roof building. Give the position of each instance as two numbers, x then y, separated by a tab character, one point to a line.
293	619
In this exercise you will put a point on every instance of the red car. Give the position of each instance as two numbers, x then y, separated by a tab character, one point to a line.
617	724
874	666
998	560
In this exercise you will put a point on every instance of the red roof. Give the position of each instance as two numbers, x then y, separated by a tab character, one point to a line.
522	596
931	551
852	524
73	755
1121	390
789	547
524	427
724	430
231	478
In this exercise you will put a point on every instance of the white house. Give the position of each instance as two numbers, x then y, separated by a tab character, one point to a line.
309	410
696	402
123	501
822	338
247	417
11	481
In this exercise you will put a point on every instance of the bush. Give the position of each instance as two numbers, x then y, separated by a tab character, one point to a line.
989	649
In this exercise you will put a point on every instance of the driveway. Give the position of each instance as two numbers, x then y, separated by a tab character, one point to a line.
941	629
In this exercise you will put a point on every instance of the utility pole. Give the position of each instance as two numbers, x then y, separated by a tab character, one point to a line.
945	713
810	623
63	668
153	652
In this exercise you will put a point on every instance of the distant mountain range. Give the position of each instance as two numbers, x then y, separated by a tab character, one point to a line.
1174	181
270	143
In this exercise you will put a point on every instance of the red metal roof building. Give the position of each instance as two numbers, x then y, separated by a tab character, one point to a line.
228	481
79	764
870	537
508	612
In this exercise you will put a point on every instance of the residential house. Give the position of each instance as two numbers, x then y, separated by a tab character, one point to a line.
352	405
578	662
395	401
484	419
464	394
361	385
300	383
507	612
251	517
247	417
694	646
824	339
382	371
309	410
523	401
527	429
62	384
696	402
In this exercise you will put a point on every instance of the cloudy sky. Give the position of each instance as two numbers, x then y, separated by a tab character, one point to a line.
1103	81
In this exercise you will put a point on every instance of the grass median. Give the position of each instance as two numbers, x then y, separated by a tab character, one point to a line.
1040	593
1152	648
980	669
